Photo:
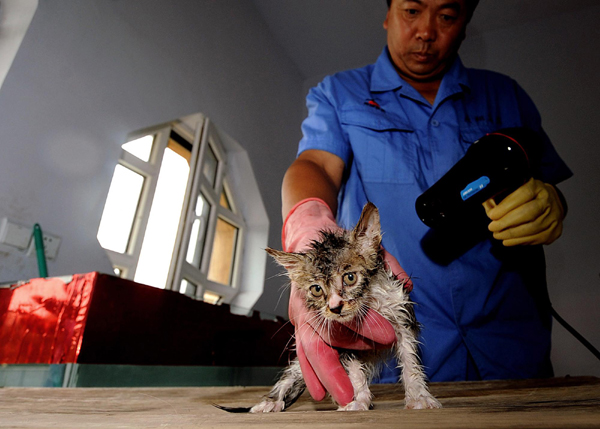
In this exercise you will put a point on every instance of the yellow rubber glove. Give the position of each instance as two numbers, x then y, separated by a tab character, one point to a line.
532	214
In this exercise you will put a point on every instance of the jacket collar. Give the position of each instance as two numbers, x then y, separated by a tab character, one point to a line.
385	78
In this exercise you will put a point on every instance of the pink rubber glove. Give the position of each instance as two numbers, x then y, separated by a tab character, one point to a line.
319	362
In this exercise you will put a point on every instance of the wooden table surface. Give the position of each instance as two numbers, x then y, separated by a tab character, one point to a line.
572	402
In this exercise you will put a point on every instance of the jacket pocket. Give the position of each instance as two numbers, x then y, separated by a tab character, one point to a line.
384	145
470	135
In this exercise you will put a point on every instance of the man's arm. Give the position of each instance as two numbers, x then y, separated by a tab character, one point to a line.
314	174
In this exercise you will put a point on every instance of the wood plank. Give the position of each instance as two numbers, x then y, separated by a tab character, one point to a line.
556	403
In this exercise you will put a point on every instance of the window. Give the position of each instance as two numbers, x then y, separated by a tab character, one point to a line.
174	217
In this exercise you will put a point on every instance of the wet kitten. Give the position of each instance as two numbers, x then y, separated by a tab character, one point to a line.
341	277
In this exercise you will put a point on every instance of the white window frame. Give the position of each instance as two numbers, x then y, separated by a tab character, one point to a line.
200	184
235	177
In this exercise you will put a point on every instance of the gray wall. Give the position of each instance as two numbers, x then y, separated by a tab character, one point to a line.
556	60
88	73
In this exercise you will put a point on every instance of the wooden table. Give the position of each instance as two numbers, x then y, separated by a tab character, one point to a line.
556	403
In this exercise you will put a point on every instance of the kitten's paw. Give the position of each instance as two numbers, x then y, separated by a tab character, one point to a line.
356	406
422	402
268	406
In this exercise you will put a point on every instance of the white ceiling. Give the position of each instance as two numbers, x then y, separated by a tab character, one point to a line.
324	36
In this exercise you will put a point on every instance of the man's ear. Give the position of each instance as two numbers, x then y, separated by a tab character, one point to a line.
286	260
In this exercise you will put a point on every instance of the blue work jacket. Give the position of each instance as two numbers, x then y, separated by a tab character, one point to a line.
483	308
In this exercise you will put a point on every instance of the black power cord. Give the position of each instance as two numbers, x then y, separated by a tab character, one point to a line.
576	334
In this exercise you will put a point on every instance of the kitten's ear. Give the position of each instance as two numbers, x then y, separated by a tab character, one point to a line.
287	260
367	231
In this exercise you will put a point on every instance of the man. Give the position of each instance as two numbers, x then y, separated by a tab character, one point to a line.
385	133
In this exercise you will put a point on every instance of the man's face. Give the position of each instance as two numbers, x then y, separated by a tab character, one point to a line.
424	36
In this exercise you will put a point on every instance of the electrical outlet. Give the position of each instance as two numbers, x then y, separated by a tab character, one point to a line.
51	245
14	234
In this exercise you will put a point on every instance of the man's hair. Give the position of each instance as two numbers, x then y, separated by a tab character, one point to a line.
471	5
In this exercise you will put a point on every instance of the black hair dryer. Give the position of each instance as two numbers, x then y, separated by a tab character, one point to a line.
494	166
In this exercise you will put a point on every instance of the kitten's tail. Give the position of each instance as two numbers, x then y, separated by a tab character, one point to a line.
288	400
233	409
285	392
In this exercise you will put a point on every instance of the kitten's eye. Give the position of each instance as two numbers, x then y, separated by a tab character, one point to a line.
316	290
349	279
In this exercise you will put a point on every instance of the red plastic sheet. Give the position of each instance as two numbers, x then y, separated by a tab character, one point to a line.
43	321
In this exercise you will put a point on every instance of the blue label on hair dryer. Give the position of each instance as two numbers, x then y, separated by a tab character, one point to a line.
474	187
